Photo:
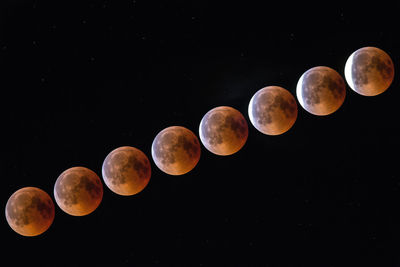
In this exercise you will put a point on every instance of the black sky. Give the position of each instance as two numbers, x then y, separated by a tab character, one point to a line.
80	79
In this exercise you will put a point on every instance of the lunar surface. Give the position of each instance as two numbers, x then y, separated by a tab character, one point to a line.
176	150
369	71
321	91
223	130
126	171
273	110
30	211
78	191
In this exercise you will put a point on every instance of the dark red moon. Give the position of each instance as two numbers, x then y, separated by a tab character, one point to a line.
78	191
176	150
126	171
30	211
321	90
273	110
223	130
369	71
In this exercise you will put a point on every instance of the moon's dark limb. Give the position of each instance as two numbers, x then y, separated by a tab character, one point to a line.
273	110
176	150
223	130
321	90
30	211
126	170
78	191
369	71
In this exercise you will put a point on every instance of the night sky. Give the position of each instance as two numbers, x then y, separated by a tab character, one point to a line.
78	80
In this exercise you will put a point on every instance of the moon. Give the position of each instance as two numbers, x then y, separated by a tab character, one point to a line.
223	130
30	211
176	150
78	191
321	90
126	171
272	110
369	71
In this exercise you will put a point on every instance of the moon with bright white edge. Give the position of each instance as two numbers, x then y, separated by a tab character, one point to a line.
176	150
273	110
369	71
78	191
321	90
126	171
223	130
30	211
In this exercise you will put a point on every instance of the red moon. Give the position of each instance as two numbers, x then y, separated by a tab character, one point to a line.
321	90
273	110
176	150
30	211
78	191
223	130
369	71
126	171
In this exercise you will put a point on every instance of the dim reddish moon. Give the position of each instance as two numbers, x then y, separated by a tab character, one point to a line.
273	110
30	211
176	150
223	130
78	191
321	90
126	171
369	71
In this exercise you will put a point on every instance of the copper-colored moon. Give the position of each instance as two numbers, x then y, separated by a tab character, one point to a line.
369	71
273	110
223	130
176	150
321	91
30	211
126	171
78	191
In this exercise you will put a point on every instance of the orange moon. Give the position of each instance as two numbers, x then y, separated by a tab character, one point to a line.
78	191
126	171
223	130
273	110
321	91
176	150
369	71
30	211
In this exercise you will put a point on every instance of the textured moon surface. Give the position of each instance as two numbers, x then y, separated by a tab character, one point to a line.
30	211
176	150
369	71
78	191
223	130
321	90
126	171
273	110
